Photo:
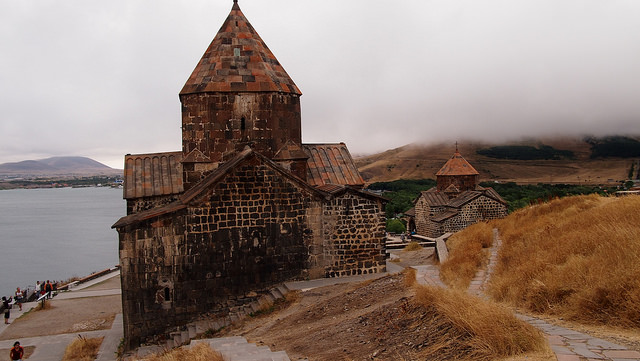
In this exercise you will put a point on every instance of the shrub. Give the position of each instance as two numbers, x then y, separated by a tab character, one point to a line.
199	352
463	327
412	246
395	226
82	349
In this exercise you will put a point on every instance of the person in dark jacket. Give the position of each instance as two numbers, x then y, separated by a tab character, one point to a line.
17	352
6	305
48	288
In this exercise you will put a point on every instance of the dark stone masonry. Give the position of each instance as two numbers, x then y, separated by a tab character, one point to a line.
245	205
456	202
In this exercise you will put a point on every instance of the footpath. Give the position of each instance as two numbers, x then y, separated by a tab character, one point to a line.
567	344
52	347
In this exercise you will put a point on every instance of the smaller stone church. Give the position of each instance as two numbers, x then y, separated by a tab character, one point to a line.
457	201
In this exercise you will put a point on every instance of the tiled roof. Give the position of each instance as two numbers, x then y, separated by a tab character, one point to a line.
464	198
195	193
491	193
457	165
331	164
290	151
435	198
444	215
148	175
238	60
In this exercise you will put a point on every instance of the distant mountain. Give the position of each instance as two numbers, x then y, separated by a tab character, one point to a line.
549	160
57	166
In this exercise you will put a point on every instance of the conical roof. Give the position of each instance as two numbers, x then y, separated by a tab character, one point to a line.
237	60
457	165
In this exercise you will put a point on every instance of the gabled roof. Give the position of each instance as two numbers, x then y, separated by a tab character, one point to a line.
464	198
457	165
444	216
150	175
467	196
193	194
237	60
331	164
290	151
434	198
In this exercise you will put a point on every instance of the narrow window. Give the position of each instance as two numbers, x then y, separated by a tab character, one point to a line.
242	124
167	294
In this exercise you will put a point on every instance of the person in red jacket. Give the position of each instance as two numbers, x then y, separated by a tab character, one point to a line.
16	352
48	288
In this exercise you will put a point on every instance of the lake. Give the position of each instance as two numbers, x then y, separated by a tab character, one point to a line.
56	234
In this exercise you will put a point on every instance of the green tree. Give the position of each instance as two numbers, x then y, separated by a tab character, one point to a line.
395	225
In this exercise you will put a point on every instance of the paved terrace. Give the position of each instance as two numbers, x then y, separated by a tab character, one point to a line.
51	348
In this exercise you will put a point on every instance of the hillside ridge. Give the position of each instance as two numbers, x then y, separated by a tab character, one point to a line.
57	166
573	165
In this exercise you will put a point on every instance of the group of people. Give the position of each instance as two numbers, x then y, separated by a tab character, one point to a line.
20	296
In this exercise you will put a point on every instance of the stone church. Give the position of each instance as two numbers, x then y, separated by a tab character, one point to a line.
245	205
457	201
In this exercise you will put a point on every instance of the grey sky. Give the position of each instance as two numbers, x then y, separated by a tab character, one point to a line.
101	78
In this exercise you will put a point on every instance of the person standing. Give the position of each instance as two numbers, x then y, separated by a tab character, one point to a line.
18	297
17	352
48	288
7	307
38	289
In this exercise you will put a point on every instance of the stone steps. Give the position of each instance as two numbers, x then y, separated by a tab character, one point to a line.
198	328
236	348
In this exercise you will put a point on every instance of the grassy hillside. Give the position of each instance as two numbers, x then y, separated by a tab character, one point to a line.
575	258
571	160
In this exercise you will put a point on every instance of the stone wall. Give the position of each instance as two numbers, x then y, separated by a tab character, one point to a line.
220	124
424	225
137	205
480	209
253	229
462	182
354	230
422	216
249	233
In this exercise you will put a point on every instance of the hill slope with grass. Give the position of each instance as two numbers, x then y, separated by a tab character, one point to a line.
575	258
553	160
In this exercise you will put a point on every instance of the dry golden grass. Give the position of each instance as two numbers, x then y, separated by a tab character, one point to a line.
412	246
575	257
467	254
200	352
465	327
82	349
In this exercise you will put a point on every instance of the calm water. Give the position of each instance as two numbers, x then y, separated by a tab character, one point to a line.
56	234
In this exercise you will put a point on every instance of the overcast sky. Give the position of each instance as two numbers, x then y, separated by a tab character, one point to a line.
101	78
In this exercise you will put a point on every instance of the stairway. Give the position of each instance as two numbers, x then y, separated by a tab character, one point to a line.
236	348
188	333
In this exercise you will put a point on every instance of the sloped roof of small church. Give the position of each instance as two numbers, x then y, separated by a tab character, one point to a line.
238	60
149	175
457	165
331	164
434	198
